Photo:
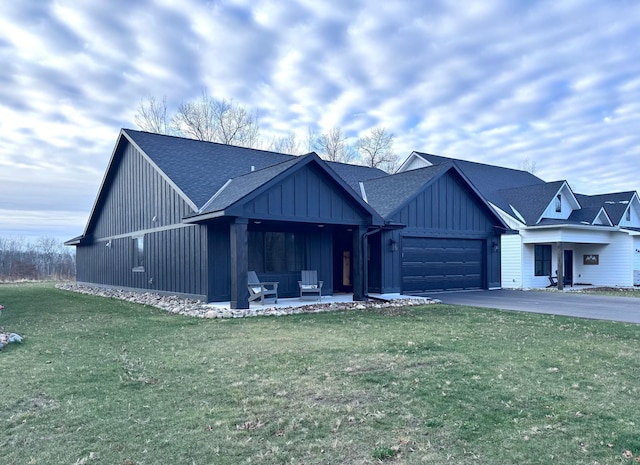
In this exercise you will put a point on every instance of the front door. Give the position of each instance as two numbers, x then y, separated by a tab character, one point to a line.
342	261
568	267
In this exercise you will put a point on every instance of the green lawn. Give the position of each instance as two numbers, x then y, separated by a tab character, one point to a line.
99	381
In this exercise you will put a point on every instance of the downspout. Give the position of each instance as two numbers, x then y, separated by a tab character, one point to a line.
365	260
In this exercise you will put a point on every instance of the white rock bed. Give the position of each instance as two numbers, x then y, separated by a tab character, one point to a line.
199	309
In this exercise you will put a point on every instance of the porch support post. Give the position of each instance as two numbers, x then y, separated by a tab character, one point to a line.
239	264
358	263
560	263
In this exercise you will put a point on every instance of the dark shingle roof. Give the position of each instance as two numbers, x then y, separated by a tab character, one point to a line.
584	215
531	201
200	168
388	193
614	203
354	174
489	180
244	185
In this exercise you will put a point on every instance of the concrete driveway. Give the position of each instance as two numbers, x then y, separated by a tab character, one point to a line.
626	309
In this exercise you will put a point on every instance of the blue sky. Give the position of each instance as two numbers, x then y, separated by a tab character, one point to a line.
498	82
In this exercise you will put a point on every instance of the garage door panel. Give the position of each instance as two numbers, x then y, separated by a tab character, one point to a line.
441	264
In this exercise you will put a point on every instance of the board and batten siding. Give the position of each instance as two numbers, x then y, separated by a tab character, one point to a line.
136	197
136	201
448	209
309	196
446	206
174	261
511	261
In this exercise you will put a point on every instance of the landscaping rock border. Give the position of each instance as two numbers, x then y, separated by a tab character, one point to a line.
199	309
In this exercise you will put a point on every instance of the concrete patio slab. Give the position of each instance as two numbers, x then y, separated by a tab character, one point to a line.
295	302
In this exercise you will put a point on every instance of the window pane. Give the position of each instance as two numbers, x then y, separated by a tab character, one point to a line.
276	252
256	251
542	260
138	253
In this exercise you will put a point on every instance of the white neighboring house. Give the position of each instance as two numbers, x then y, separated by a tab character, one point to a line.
580	239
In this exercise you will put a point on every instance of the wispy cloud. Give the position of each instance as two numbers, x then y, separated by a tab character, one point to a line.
497	82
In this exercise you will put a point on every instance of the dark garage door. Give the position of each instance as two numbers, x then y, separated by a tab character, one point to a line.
441	264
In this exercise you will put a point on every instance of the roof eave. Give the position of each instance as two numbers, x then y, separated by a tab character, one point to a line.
199	218
304	160
574	226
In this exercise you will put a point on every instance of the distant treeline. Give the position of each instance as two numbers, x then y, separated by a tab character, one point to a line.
43	259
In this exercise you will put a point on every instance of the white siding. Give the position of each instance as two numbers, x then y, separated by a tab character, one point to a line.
567	205
529	280
636	261
511	261
634	215
413	162
615	266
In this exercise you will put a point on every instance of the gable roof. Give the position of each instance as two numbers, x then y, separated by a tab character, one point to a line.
200	168
588	215
531	201
238	190
391	193
488	180
387	194
615	203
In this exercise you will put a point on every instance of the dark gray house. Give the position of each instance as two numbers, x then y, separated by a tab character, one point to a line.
191	218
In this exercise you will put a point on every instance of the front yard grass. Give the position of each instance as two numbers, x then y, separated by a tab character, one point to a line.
100	381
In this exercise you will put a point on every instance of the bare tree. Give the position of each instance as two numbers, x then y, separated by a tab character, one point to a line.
286	144
46	258
376	149
217	120
151	115
528	165
311	141
195	119
333	146
235	124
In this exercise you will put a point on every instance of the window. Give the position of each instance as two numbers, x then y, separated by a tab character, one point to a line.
542	259
138	253
276	251
558	203
627	214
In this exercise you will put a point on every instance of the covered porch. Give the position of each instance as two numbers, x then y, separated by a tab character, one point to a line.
570	255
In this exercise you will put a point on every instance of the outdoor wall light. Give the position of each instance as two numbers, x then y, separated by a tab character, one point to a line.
108	244
393	245
496	245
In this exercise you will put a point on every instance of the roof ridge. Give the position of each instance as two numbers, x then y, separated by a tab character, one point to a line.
210	142
410	172
529	186
473	162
